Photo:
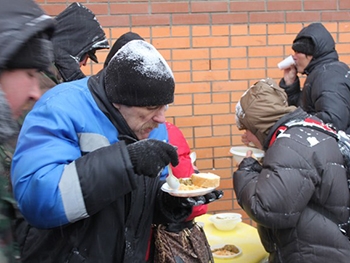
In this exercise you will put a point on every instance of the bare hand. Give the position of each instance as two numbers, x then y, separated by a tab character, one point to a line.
249	154
290	75
248	137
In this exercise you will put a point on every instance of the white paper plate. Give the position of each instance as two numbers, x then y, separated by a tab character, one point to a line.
191	193
222	256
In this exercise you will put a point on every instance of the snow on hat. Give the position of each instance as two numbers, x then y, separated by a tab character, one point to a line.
260	107
304	45
121	41
138	75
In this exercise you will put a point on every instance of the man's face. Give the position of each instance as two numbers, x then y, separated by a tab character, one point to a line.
301	61
142	120
20	86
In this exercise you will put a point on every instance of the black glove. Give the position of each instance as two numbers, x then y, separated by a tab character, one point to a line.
150	156
192	201
250	164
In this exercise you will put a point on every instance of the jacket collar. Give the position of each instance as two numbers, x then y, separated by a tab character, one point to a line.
298	114
96	86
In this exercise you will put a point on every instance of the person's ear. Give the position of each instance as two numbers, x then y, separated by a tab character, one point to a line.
84	60
117	106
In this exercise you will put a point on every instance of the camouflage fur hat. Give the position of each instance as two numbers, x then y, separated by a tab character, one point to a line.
260	107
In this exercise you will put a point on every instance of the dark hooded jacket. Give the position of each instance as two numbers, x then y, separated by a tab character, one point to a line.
326	89
300	193
302	174
77	32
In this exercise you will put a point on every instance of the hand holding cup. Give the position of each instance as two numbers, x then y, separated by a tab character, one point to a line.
286	63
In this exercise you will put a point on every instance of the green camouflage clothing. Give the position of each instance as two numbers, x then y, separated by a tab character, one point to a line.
8	137
17	30
9	252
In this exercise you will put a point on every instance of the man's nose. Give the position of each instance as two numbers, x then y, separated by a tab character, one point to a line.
159	117
36	92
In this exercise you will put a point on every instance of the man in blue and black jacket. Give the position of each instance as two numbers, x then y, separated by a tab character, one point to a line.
85	171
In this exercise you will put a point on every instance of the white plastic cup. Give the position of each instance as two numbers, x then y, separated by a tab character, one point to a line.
286	63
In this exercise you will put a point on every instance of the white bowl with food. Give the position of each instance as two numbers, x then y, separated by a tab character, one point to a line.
225	251
239	152
226	221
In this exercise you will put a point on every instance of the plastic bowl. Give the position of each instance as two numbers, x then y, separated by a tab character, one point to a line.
239	152
226	221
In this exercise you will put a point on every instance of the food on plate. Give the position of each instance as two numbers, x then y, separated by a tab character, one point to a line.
226	250
200	180
206	180
187	185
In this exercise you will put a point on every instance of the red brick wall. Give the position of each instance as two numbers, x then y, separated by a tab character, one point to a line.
216	49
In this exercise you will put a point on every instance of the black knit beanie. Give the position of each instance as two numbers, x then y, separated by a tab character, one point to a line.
139	76
36	53
304	45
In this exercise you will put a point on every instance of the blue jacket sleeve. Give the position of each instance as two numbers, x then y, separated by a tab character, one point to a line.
65	168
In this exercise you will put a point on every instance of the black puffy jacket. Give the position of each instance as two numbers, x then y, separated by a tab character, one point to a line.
302	180
326	91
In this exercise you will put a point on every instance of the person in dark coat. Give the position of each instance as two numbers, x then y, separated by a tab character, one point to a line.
86	168
77	37
185	168
326	91
25	48
299	195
